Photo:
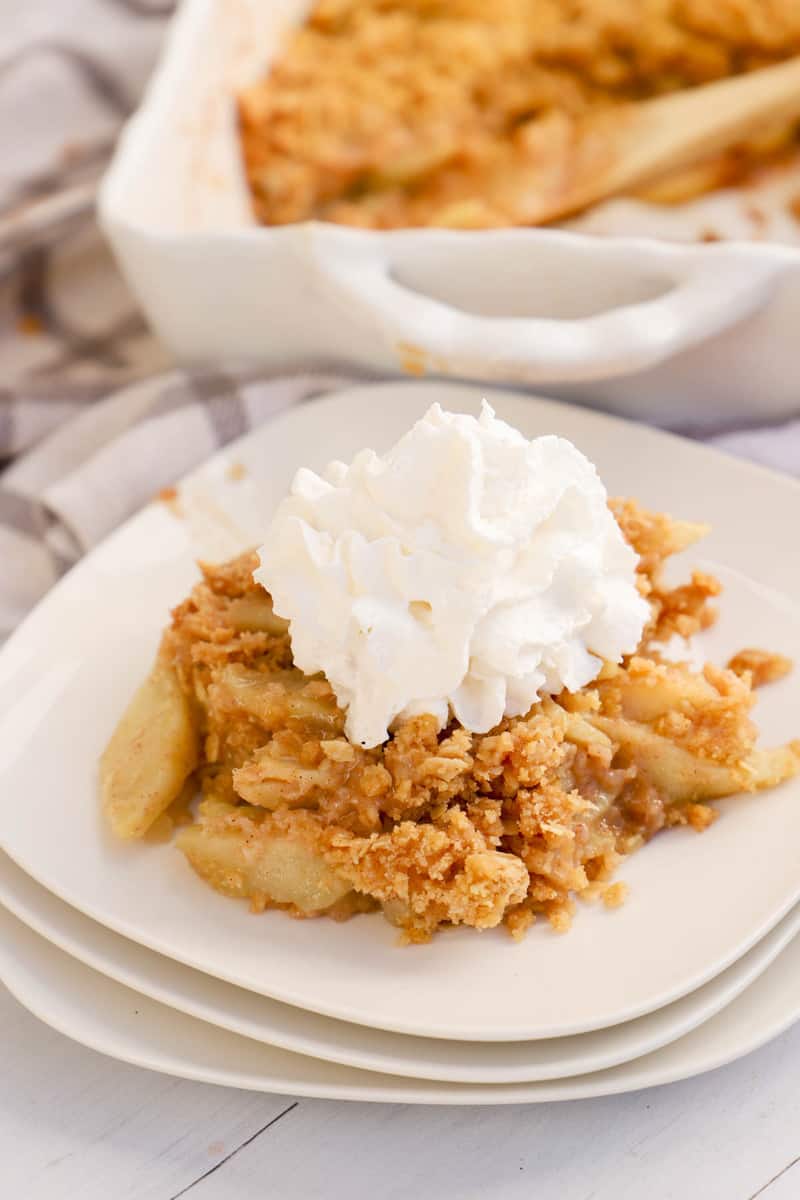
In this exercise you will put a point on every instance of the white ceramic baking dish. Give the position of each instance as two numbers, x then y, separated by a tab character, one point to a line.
698	334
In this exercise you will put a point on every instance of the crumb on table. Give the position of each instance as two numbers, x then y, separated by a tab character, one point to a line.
170	497
30	325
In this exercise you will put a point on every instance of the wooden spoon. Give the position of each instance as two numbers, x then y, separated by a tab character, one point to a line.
622	148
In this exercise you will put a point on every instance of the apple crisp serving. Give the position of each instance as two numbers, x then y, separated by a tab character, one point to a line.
436	828
395	113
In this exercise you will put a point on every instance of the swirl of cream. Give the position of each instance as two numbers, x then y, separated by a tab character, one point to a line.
466	573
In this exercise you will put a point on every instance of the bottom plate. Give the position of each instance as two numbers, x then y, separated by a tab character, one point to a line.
264	1020
112	1019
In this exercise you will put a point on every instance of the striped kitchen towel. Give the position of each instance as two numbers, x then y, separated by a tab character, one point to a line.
94	420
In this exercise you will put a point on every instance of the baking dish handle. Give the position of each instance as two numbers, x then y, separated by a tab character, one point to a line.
705	290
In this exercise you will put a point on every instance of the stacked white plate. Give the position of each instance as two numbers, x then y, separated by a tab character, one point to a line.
124	949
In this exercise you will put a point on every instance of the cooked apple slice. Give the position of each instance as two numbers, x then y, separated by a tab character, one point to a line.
152	751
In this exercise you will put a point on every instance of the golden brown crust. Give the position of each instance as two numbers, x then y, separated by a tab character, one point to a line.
452	827
429	874
387	113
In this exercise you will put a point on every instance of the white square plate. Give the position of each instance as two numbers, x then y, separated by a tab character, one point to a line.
696	903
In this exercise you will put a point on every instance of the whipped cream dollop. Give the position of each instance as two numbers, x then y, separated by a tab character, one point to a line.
468	571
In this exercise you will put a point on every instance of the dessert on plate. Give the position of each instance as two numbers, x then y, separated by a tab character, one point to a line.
440	690
386	114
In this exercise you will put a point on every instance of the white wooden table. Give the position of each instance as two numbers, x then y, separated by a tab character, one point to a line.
77	1126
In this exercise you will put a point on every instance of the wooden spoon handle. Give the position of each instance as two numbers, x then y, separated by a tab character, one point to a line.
620	149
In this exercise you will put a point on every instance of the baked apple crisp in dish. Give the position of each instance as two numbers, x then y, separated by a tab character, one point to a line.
387	114
440	690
